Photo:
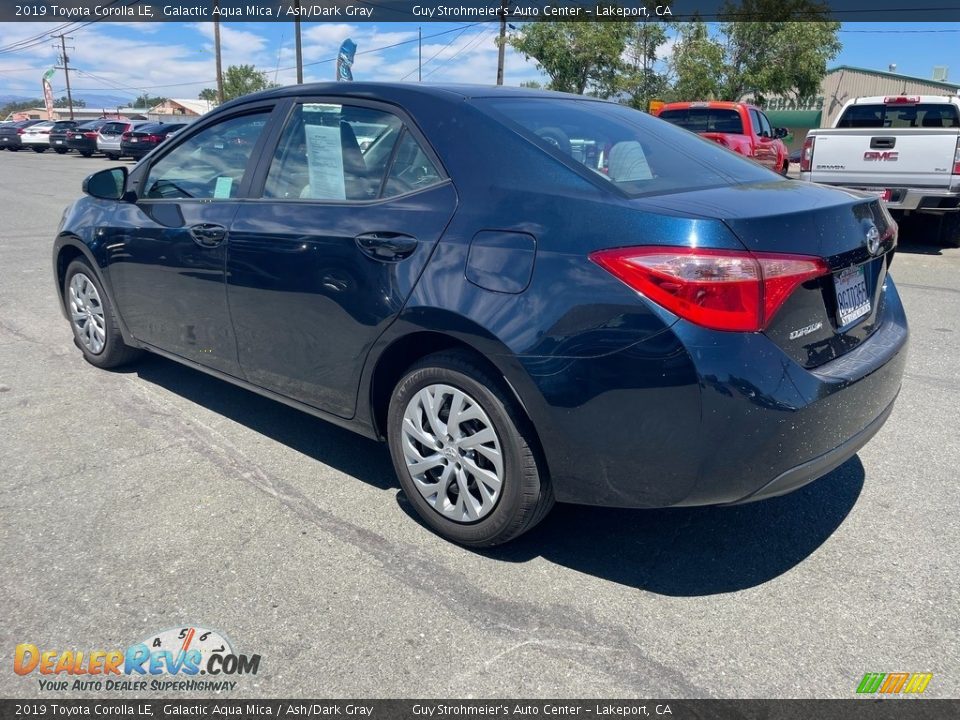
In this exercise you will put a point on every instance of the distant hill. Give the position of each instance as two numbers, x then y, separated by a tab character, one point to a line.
92	100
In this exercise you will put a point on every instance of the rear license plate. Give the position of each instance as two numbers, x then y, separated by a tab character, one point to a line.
852	299
59	142
133	140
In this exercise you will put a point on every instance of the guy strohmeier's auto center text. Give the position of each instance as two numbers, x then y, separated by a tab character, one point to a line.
288	10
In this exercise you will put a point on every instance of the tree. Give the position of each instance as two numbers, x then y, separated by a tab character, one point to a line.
148	101
640	80
19	106
576	55
62	102
239	80
764	47
532	84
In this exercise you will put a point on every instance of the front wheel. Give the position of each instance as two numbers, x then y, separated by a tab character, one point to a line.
86	153
60	151
786	168
464	452
39	149
94	324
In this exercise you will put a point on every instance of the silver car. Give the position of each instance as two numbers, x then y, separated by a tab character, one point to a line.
109	136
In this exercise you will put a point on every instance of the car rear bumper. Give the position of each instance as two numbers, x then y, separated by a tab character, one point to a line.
923	199
697	417
84	145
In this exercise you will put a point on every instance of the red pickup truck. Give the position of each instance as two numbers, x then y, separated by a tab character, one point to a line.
740	127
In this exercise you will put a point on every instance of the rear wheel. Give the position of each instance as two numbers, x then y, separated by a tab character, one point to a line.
60	151
950	229
113	157
86	153
94	324
465	453
38	149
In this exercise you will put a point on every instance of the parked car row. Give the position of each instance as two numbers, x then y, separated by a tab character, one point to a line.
112	137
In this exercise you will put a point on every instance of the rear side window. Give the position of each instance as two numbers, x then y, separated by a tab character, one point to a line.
921	115
330	151
701	120
209	165
633	151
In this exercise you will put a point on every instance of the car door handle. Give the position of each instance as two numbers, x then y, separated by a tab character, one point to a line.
208	234
386	246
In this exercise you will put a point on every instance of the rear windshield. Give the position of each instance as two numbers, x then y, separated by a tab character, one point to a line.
932	115
701	120
92	125
637	153
150	128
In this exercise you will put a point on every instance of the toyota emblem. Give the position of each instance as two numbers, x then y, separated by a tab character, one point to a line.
873	240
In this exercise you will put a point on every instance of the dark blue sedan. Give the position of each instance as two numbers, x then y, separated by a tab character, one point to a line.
529	296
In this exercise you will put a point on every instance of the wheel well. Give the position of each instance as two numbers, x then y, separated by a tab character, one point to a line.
67	255
406	351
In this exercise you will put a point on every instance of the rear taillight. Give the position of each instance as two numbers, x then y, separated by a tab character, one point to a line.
718	289
153	138
806	155
90	135
21	131
126	136
956	159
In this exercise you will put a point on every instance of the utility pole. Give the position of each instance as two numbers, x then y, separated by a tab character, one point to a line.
419	54
66	68
216	42
502	43
296	25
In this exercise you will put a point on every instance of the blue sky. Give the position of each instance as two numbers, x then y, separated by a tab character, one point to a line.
176	59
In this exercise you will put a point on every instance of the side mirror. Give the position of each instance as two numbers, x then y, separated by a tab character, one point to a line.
109	184
780	132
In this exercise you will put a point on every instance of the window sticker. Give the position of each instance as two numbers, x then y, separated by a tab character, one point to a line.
221	190
325	161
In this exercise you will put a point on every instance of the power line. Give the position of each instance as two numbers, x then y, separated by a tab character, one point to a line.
455	38
473	43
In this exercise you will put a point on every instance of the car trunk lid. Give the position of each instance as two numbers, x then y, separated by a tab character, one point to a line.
829	315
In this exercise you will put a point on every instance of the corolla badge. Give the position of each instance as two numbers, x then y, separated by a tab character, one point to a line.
873	240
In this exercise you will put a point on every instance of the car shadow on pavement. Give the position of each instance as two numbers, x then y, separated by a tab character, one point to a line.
694	551
678	552
341	449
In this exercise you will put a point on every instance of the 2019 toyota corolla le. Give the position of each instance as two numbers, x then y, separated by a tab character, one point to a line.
530	296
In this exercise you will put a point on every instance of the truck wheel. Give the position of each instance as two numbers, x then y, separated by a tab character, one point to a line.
950	230
786	168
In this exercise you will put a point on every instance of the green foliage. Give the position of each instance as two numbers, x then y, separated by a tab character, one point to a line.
578	56
779	54
19	106
239	80
148	101
63	102
639	79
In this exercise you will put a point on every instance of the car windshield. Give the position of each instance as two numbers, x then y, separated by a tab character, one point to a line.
701	120
638	154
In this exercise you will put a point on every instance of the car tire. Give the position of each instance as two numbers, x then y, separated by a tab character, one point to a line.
786	168
60	151
950	229
39	149
501	513
112	158
86	302
13	149
86	153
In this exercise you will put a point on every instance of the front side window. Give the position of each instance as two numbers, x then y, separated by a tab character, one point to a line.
208	165
330	151
765	128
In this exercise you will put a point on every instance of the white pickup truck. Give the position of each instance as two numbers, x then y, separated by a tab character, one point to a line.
906	149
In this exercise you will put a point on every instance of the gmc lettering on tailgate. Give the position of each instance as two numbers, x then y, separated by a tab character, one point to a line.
886	155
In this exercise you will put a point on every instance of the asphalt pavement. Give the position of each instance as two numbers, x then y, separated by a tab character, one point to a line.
156	497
